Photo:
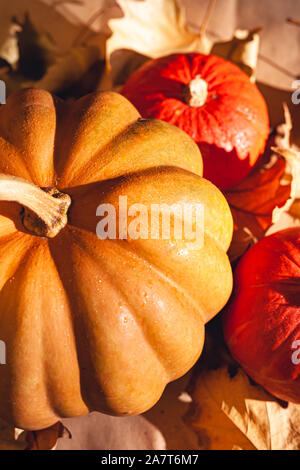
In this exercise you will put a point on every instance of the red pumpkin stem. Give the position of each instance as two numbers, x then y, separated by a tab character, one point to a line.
45	210
196	92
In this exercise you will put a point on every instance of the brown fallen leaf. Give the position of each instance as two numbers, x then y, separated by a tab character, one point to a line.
10	437
46	439
230	412
68	69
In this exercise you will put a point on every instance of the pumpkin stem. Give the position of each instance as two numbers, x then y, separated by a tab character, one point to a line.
45	209
196	92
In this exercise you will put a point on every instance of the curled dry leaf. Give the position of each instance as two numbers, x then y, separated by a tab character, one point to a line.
292	156
242	50
253	201
266	201
230	412
289	214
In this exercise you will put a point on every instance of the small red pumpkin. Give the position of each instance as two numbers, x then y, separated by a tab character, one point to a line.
214	102
262	321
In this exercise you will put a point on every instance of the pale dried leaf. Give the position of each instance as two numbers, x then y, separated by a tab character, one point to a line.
230	412
284	130
9	50
292	157
154	28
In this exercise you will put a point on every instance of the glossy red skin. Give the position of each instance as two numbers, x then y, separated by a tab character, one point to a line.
231	128
262	319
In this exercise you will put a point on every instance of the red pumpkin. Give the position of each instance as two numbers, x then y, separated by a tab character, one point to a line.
214	102
262	321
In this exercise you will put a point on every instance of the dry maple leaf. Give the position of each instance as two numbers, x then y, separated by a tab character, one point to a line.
231	412
153	28
33	59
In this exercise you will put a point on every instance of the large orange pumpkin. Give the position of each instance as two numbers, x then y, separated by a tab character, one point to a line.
93	324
